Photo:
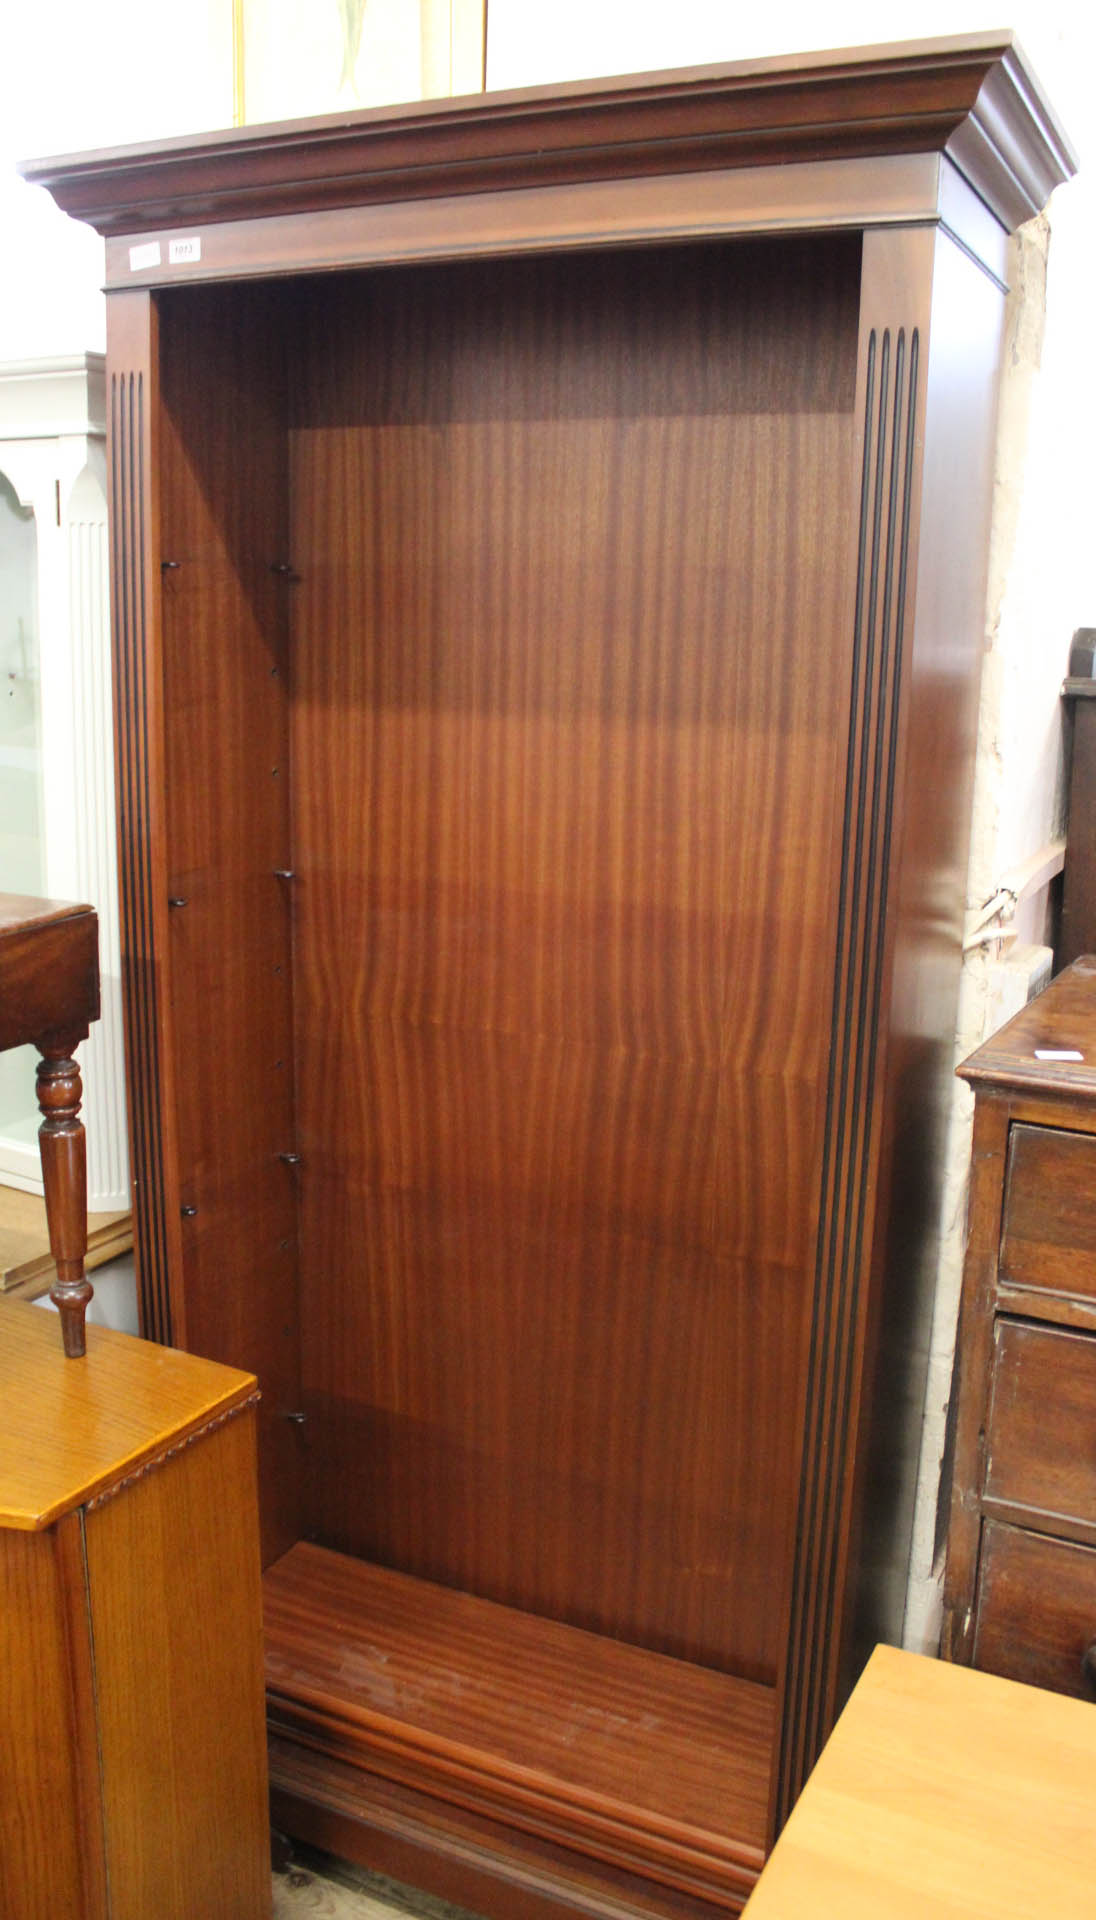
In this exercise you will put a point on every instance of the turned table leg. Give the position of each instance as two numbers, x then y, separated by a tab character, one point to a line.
49	996
64	1172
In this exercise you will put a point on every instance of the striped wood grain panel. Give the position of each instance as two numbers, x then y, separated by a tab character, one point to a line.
889	428
568	780
224	510
133	364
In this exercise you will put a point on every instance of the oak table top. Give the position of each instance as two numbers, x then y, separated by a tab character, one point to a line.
946	1794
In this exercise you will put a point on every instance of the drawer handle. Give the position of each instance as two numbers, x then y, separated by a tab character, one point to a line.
1088	1667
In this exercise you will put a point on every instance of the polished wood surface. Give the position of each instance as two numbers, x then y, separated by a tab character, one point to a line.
51	1841
1049	1237
942	1795
173	1587
571	1008
974	98
486	1866
227	582
1037	1610
130	1633
77	1428
49	970
1061	1021
1041	1442
645	1762
895	191
634	610
49	995
133	453
926	835
929	338
1024	1602
62	1146
972	1375
891	374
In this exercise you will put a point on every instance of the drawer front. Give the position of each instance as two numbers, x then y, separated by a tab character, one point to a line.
1041	1451
1048	1236
1036	1609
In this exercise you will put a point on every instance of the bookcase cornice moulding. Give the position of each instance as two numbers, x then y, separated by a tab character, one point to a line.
974	99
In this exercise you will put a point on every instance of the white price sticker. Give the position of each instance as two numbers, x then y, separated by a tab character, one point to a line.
146	255
184	253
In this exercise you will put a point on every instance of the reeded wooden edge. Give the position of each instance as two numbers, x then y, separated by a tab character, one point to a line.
168	1454
973	97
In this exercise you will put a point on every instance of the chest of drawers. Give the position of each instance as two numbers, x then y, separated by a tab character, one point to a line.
1020	1595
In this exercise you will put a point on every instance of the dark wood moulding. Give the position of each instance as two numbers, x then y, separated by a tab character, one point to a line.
972	98
546	678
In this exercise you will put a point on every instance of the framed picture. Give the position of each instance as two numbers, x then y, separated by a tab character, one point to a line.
298	57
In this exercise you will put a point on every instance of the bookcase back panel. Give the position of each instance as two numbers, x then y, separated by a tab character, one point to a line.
571	645
223	470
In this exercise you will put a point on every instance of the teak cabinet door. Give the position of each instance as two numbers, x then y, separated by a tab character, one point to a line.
131	1688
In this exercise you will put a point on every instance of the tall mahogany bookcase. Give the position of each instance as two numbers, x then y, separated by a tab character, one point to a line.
549	547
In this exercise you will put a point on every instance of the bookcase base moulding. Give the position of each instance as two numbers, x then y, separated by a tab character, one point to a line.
549	553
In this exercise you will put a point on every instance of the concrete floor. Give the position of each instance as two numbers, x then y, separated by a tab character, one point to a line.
317	1885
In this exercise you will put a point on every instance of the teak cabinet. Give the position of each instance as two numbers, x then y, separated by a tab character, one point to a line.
1020	1596
549	548
130	1633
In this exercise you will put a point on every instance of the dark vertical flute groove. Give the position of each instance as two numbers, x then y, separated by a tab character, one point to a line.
141	1010
843	1246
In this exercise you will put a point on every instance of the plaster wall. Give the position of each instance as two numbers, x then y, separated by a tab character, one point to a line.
77	77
